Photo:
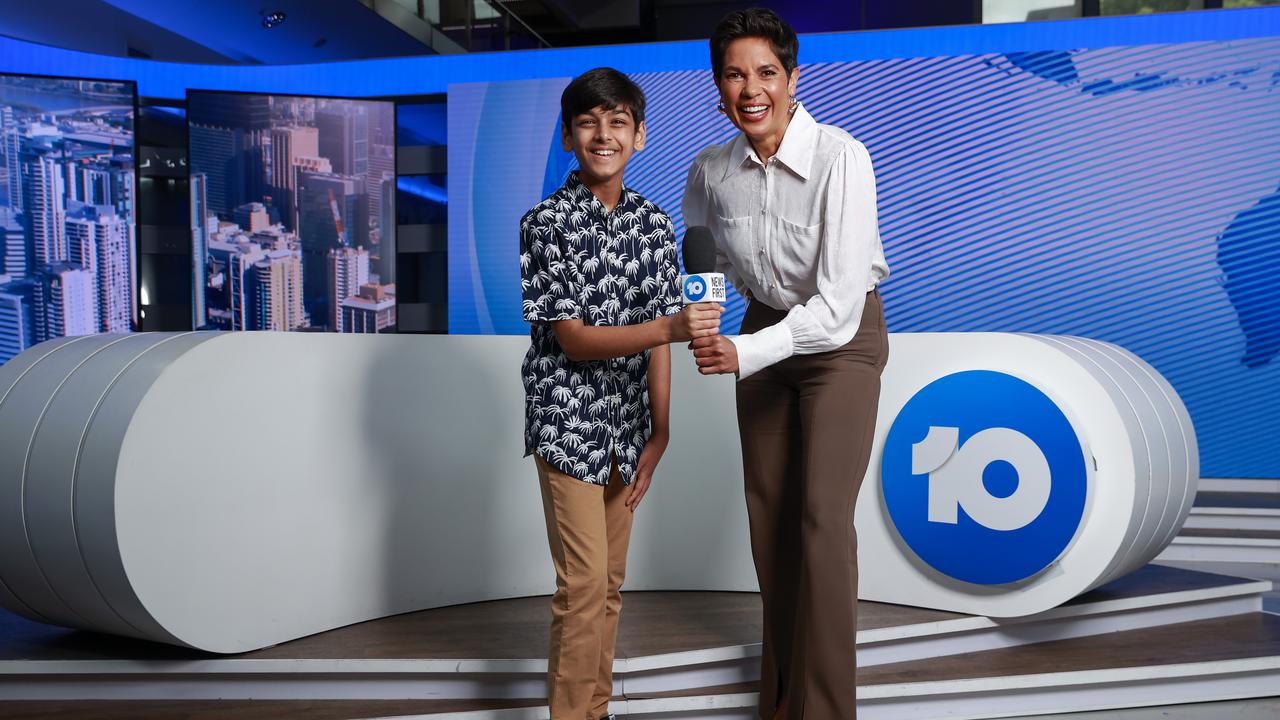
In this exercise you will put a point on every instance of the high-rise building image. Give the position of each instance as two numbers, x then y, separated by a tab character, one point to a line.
331	215
287	173
387	239
275	295
291	147
44	197
236	166
66	302
13	244
344	136
240	259
382	165
9	151
98	241
199	214
90	184
348	270
67	222
17	328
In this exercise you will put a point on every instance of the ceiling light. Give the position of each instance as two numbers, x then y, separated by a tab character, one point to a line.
272	19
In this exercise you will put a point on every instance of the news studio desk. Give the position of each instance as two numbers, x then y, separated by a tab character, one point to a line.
228	492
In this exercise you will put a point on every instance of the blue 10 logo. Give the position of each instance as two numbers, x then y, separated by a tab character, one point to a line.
984	477
695	288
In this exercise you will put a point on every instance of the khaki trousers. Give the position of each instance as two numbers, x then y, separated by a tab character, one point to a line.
588	528
807	425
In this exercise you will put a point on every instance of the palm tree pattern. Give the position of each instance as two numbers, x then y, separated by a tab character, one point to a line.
607	268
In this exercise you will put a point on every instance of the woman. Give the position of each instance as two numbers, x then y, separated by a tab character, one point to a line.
792	204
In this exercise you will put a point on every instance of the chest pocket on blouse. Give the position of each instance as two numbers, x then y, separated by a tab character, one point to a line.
738	242
794	250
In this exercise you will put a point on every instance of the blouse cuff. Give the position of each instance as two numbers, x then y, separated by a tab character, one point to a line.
761	349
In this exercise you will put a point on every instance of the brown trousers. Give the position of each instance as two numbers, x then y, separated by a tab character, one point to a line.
807	425
588	528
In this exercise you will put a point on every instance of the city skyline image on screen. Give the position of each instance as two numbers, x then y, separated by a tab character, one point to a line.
293	212
67	223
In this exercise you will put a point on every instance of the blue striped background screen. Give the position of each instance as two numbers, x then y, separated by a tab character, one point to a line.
1129	194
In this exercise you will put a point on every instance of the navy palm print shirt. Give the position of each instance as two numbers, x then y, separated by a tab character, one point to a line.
607	268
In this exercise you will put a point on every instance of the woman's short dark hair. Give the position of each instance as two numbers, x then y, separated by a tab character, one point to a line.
757	23
601	87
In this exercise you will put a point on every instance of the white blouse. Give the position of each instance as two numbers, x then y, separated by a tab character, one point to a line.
800	232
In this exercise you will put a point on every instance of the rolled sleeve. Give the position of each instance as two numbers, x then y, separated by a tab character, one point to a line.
545	278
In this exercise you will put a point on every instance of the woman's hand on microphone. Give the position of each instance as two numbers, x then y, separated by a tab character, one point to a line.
696	321
715	355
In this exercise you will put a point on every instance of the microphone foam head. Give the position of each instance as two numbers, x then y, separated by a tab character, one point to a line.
699	251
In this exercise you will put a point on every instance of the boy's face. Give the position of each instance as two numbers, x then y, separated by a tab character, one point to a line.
603	140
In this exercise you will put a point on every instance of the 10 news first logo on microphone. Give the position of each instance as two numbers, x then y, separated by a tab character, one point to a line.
984	477
704	287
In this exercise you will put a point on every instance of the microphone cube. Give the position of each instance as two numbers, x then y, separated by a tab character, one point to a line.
703	287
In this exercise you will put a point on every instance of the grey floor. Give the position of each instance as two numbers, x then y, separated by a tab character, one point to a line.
1261	709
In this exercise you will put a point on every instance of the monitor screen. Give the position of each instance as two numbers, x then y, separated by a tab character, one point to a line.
1129	194
67	211
293	212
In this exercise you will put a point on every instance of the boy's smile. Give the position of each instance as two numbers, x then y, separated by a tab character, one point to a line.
603	140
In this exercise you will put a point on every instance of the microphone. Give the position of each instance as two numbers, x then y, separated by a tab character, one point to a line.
701	284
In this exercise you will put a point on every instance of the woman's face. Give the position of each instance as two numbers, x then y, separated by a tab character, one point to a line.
756	90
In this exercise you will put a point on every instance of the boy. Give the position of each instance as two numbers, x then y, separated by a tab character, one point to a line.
601	293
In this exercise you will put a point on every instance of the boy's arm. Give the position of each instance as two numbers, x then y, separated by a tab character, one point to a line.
583	342
670	322
660	391
659	417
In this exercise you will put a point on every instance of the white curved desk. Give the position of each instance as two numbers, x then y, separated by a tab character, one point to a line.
233	491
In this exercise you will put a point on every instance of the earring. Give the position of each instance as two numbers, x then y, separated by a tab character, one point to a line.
793	105
720	106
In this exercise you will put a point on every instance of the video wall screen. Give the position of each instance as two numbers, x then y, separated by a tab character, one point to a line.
1128	193
67	212
293	212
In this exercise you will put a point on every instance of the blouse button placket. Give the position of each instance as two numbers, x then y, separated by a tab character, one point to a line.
759	236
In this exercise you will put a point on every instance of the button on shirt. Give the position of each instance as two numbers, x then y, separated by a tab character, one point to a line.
578	261
799	231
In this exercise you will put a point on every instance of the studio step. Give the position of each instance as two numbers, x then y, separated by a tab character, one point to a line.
1202	661
493	651
1235	511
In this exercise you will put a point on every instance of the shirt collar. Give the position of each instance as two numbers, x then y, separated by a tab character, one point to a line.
796	151
580	193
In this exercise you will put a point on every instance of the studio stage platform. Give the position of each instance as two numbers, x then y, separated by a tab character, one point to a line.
1159	636
1233	529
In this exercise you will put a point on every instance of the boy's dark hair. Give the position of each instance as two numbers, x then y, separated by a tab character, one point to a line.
755	23
601	87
